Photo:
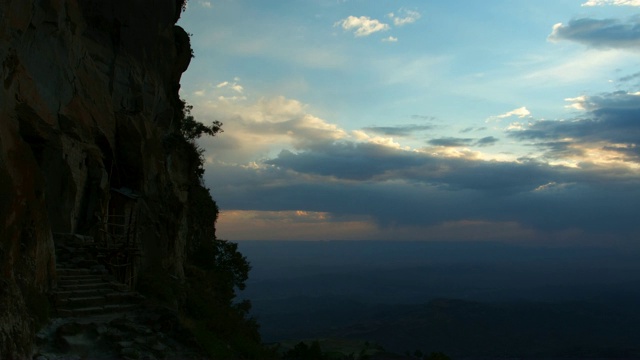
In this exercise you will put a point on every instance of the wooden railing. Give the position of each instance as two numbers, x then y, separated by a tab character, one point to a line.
118	247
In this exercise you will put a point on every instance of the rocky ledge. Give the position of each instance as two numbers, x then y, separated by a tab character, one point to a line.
152	333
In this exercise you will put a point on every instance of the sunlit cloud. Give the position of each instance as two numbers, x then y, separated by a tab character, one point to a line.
363	25
521	112
390	39
237	88
577	103
293	225
257	127
231	98
233	86
605	133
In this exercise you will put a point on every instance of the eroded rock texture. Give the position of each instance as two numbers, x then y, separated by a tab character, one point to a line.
88	99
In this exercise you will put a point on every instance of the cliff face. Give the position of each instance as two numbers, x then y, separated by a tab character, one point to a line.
88	98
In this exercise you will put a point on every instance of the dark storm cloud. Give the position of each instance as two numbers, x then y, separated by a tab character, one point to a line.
606	33
611	119
400	131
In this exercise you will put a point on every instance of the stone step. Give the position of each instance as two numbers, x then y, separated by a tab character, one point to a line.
78	281
84	288
88	286
101	300
79	277
72	271
124	296
81	312
62	285
81	302
64	294
84	263
121	307
95	269
97	310
82	278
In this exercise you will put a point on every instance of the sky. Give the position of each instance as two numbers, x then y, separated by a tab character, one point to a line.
456	120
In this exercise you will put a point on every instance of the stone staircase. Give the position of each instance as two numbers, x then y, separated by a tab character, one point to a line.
85	288
100	318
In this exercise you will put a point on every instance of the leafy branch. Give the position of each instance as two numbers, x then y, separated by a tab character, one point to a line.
192	129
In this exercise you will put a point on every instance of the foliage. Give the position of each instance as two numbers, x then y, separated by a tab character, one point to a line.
203	214
182	139
182	4
302	351
155	283
192	129
215	268
215	271
222	257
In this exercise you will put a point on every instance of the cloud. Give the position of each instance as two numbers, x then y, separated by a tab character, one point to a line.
577	103
486	141
451	142
237	88
390	39
607	134
257	128
463	142
612	2
400	188
206	4
293	225
519	112
606	33
368	185
363	25
423	117
231	98
405	17
400	131
632	77
233	86
470	129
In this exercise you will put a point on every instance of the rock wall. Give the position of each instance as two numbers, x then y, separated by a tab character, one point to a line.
88	98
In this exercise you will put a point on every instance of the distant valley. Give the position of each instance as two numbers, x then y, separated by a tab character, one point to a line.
463	299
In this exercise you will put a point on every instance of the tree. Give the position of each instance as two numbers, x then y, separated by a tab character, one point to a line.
302	351
192	129
183	136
